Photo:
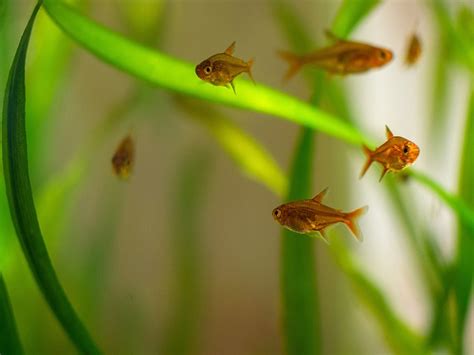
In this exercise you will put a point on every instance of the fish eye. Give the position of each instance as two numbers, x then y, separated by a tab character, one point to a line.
277	213
406	149
208	69
383	55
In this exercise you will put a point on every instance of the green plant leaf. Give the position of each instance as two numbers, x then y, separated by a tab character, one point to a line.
464	267
457	204
20	198
189	198
244	150
179	76
399	337
9	340
349	15
298	273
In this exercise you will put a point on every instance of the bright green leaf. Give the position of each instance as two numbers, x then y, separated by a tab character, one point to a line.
20	198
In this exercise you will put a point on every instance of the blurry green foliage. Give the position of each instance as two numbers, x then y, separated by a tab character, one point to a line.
9	339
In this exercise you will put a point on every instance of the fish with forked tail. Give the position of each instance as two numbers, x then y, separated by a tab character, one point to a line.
312	217
395	154
222	68
343	57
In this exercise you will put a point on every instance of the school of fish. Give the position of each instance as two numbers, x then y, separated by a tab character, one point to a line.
310	217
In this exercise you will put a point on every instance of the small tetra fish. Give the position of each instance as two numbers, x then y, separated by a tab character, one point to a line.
413	51
124	158
222	68
395	154
312	217
343	57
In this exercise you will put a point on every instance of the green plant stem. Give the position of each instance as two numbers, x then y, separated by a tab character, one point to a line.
298	274
20	198
189	199
464	266
9	340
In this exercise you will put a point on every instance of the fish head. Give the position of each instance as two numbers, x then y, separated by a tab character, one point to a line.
204	70
381	57
410	152
280	214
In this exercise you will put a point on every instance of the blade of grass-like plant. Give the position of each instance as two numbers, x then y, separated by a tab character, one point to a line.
20	198
464	211
244	150
400	338
350	13
189	197
298	274
179	76
9	340
464	266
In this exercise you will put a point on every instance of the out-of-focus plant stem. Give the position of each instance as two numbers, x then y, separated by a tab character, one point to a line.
189	198
9	340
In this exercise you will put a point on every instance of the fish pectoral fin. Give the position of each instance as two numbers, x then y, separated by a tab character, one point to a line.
230	49
319	197
233	87
385	169
324	236
388	132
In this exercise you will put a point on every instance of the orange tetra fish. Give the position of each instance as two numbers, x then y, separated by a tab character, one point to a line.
311	216
395	154
124	158
222	68
413	51
343	57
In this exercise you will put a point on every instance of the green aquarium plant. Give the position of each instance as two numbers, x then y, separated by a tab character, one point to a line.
328	112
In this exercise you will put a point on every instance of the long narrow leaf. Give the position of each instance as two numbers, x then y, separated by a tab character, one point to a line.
464	266
252	158
20	198
179	76
9	340
298	273
349	15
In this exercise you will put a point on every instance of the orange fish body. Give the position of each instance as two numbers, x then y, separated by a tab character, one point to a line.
311	216
124	158
222	68
413	52
395	154
343	57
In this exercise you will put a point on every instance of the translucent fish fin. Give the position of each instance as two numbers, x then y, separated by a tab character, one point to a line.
368	162
295	63
324	236
331	36
249	69
351	222
388	132
230	49
319	197
233	87
383	173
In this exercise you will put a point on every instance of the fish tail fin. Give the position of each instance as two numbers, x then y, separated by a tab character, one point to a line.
352	224
249	68
294	61
368	162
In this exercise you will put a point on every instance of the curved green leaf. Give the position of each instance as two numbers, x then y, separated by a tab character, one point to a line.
244	150
9	340
179	76
460	207
20	198
350	13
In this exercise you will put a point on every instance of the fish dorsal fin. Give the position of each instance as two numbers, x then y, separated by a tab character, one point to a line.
230	49
332	37
388	132
319	197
